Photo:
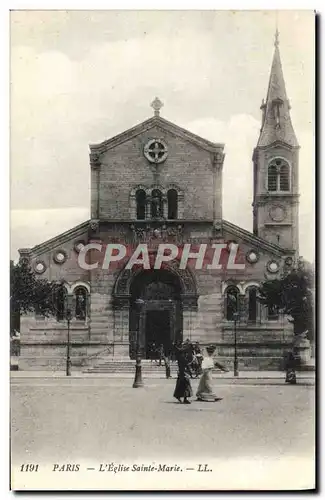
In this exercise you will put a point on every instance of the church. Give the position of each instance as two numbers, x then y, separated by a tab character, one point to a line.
159	183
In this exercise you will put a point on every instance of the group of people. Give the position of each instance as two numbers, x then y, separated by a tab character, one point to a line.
184	355
193	361
164	355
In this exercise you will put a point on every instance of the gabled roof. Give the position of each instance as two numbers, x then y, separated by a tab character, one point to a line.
156	121
56	241
253	240
277	128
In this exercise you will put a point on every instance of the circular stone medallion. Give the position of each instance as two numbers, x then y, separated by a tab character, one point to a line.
277	213
39	267
252	256
156	151
60	257
273	266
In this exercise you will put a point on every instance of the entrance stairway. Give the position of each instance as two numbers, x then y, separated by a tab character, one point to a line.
128	366
249	363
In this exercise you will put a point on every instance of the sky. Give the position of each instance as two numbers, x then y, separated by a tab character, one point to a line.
80	77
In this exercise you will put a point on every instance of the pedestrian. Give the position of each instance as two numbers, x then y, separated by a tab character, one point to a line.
205	391
161	353
291	377
183	387
167	366
198	357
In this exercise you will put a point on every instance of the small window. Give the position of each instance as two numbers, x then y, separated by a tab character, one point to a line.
284	178
81	303
141	204
231	302
272	178
252	305
172	198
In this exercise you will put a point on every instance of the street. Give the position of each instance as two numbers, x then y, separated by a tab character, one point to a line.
58	421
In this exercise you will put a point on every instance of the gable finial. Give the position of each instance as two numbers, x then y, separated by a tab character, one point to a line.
156	105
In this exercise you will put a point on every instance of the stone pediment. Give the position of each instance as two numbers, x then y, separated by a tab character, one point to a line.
156	121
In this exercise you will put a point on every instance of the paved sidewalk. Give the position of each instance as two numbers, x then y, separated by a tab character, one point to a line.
244	375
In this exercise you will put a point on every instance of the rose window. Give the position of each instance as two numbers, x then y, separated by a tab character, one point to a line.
156	151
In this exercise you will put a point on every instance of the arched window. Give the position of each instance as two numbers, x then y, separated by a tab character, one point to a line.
272	178
172	198
141	204
284	178
81	296
278	175
252	304
156	204
231	302
61	297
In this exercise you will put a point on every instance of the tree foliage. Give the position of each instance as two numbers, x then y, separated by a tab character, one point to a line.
29	293
292	295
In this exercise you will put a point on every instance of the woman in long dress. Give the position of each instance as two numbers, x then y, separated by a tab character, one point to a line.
205	390
183	387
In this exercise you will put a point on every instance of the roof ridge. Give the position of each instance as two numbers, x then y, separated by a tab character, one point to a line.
146	125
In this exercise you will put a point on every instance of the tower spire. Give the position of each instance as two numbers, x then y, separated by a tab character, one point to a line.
276	121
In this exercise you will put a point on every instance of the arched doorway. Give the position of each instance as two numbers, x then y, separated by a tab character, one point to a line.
159	318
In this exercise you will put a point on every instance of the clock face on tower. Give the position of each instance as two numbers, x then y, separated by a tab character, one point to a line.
156	151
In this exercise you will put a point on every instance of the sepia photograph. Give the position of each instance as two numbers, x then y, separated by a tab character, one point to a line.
162	250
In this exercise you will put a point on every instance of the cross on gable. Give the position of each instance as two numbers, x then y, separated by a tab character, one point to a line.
157	105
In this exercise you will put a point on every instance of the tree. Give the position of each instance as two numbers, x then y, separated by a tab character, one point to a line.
29	293
292	295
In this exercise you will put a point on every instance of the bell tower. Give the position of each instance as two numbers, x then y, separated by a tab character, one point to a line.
275	160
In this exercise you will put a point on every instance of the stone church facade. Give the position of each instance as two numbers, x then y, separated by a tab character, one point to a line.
158	183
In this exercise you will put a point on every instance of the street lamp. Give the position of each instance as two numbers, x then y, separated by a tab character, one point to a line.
138	368
235	318
69	317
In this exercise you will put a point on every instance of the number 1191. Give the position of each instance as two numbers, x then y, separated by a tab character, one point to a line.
29	468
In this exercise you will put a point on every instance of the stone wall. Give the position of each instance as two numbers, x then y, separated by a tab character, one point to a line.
124	167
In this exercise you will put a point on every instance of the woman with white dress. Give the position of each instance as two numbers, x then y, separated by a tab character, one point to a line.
205	390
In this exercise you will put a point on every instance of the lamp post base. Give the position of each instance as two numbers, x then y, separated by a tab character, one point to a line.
138	374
